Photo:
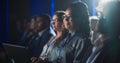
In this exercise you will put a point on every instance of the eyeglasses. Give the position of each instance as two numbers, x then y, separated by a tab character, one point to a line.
54	20
67	17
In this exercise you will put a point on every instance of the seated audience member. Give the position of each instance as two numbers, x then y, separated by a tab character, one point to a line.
93	20
41	38
29	32
77	42
49	53
109	49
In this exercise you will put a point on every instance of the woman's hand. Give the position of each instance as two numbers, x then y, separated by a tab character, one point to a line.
33	59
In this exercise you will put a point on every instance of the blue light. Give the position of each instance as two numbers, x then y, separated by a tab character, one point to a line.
94	8
52	7
52	13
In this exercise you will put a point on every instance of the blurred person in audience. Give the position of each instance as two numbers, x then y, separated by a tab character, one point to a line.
49	53
93	20
77	42
41	37
28	32
109	49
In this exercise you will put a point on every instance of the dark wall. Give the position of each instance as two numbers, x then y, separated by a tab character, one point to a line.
18	9
2	21
39	7
62	4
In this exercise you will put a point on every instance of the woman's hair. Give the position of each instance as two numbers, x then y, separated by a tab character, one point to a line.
59	14
109	23
80	17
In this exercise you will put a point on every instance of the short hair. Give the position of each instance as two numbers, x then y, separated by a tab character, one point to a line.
46	19
109	23
80	17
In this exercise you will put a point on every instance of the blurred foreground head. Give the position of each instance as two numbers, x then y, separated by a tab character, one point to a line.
109	23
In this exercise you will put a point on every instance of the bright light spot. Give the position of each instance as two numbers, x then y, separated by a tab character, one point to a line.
101	4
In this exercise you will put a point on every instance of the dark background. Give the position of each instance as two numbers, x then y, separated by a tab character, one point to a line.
12	10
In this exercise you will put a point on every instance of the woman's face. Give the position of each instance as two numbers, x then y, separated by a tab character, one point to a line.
67	19
57	25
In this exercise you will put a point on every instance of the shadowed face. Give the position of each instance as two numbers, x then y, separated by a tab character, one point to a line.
39	23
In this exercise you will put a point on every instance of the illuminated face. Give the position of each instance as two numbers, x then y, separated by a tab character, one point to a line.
67	19
57	25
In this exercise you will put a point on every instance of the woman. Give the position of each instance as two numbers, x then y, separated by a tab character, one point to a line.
48	54
76	21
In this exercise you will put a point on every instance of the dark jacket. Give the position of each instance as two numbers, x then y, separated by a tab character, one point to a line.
110	52
82	56
36	45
